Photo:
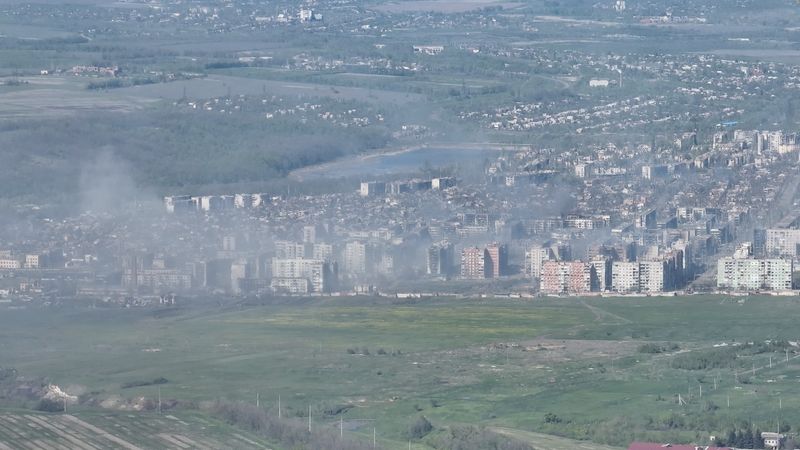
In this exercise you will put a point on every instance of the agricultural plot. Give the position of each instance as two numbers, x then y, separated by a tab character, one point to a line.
58	102
126	432
221	85
55	96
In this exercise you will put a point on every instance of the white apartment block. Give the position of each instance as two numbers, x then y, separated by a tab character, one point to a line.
311	270
754	274
782	242
309	234
534	258
322	251
291	285
289	250
10	264
355	257
600	268
651	276
624	276
31	261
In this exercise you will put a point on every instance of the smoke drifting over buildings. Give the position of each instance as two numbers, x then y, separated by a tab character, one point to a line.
536	221
106	185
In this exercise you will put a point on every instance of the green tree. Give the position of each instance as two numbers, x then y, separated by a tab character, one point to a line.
749	439
731	440
420	428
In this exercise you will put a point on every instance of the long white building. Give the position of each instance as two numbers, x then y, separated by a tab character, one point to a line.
754	274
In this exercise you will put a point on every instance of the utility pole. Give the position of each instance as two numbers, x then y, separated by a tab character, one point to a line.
309	418
341	427
729	401
701	391
770	361
279	406
374	440
65	404
159	399
258	399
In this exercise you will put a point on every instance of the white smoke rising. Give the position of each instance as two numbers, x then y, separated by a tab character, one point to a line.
107	185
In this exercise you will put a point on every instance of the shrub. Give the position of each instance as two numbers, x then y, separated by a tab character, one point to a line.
289	433
420	428
474	438
654	348
551	418
131	384
50	405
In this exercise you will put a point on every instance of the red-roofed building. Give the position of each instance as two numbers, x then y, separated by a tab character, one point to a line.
653	446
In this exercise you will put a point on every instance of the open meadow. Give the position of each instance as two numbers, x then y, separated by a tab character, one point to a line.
603	370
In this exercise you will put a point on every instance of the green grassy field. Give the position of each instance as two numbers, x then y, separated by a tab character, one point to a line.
501	363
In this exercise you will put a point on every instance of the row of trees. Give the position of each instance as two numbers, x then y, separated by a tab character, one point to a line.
290	433
476	438
743	438
166	150
724	358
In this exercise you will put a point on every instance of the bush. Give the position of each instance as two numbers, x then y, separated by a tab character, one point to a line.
724	357
335	410
710	406
50	405
131	384
654	348
289	433
551	418
474	438
420	428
